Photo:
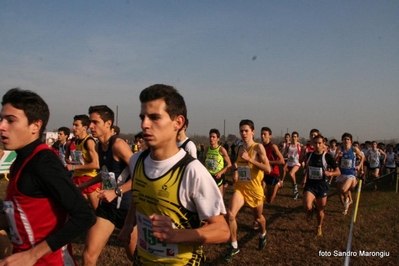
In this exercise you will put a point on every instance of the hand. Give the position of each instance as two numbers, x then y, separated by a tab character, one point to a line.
245	155
25	258
106	195
162	227
70	167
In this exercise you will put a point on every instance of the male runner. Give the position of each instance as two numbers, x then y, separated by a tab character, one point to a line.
293	153
251	163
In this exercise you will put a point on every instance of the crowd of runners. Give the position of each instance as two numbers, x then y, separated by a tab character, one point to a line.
167	203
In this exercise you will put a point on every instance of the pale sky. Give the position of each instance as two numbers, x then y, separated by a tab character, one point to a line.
296	65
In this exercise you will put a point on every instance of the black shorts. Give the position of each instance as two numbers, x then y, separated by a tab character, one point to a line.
271	180
112	214
319	189
221	181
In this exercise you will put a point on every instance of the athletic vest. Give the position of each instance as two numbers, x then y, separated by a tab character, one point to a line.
390	163
161	196
31	220
249	176
374	158
116	173
293	155
82	156
316	168
272	156
214	161
348	160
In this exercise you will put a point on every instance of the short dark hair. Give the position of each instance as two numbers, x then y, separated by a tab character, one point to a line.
215	131
66	130
83	118
314	130
34	107
116	129
175	104
104	111
267	129
139	135
346	135
247	122
333	141
294	133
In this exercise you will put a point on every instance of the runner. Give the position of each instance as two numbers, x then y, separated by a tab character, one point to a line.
373	157
321	167
172	192
293	152
251	163
217	160
347	165
272	180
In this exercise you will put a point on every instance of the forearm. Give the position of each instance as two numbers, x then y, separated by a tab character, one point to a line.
264	167
216	232
90	182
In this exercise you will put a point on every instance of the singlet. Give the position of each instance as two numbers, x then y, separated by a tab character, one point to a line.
374	158
249	176
161	196
31	220
81	156
348	160
275	171
332	151
390	163
214	161
293	155
116	173
317	165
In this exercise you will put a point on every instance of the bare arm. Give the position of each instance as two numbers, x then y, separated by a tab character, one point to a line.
94	164
29	257
226	158
216	232
280	159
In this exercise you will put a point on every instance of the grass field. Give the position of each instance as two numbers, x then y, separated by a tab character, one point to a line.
293	241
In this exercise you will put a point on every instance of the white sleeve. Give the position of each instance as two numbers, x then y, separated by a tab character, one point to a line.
191	149
199	192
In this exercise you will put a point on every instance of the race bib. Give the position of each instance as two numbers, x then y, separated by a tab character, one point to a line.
9	210
346	163
77	157
211	164
109	181
315	173
149	243
244	173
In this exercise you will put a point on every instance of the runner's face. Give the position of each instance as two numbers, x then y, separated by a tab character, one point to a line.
347	141
246	133
78	129
61	136
319	145
158	128
295	138
287	138
213	139
97	126
265	136
15	130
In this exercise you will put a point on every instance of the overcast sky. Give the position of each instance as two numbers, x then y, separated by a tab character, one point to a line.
289	65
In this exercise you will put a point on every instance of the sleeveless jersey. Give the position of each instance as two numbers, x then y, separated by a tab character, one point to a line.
348	160
374	158
316	165
81	156
275	171
114	173
31	220
390	163
293	155
161	196
214	161
249	176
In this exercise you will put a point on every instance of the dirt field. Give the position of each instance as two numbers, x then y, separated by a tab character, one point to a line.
293	241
